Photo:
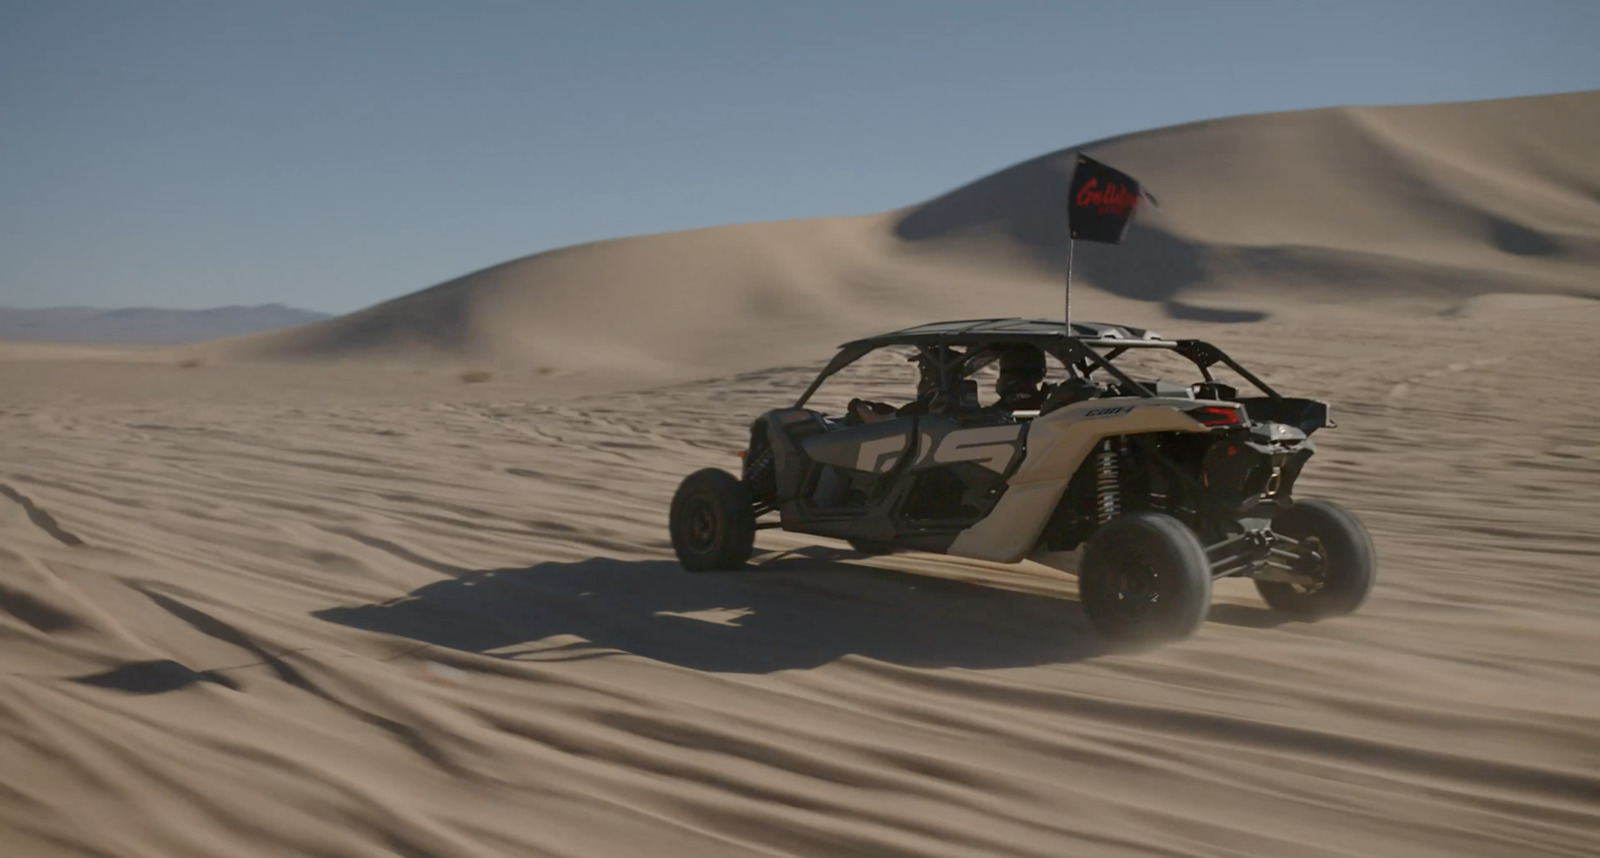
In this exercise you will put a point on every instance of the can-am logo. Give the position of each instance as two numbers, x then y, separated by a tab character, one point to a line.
1113	199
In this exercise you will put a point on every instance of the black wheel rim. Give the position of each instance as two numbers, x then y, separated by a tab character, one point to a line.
702	525
1314	563
1134	587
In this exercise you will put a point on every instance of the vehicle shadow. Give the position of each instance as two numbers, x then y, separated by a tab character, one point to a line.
795	610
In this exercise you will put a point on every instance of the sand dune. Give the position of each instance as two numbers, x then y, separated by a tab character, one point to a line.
347	605
1442	200
1414	207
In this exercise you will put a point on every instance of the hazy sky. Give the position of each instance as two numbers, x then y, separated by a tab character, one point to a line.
334	154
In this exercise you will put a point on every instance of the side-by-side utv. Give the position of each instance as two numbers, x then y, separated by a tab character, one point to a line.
1164	485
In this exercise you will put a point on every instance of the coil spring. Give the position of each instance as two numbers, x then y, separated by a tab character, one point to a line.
1107	484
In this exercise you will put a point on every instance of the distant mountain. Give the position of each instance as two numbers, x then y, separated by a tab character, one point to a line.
147	324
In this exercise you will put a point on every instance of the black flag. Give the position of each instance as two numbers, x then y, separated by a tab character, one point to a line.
1102	202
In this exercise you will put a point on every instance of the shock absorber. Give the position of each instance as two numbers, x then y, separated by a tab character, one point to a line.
1107	482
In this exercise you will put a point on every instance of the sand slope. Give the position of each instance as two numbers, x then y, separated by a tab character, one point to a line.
371	613
1414	207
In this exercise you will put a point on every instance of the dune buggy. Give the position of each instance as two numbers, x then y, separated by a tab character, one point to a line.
1145	488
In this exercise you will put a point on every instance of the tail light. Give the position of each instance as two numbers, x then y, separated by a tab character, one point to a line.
1217	415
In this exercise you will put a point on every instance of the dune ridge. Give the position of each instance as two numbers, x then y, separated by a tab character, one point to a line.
1416	207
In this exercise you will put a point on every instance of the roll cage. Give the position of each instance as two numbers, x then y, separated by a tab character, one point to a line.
1086	347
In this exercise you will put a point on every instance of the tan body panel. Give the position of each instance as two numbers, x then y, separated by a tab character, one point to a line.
1057	443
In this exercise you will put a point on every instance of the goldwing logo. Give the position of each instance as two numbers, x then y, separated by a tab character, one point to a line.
1113	199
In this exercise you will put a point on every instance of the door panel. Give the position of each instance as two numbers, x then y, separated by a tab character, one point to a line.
875	448
959	470
945	441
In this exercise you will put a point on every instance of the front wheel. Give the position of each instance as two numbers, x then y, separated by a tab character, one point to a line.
1144	578
1338	554
713	523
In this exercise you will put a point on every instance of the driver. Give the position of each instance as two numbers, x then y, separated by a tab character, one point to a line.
931	396
927	400
1022	369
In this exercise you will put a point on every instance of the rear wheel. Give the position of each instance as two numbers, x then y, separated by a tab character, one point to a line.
712	522
1340	556
1144	578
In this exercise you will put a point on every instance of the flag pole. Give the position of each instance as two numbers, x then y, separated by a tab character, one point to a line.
1100	203
1071	243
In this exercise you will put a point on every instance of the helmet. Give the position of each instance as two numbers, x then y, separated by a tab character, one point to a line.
1022	368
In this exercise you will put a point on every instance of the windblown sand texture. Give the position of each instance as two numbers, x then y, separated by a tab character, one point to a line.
314	595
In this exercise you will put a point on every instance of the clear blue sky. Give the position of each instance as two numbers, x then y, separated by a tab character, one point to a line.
334	154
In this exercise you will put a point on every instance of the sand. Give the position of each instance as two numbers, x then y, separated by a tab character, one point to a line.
318	596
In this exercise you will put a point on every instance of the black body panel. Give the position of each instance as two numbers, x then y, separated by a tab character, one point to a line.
912	480
1307	415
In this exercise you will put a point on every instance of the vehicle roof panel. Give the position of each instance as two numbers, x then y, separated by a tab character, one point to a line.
967	331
